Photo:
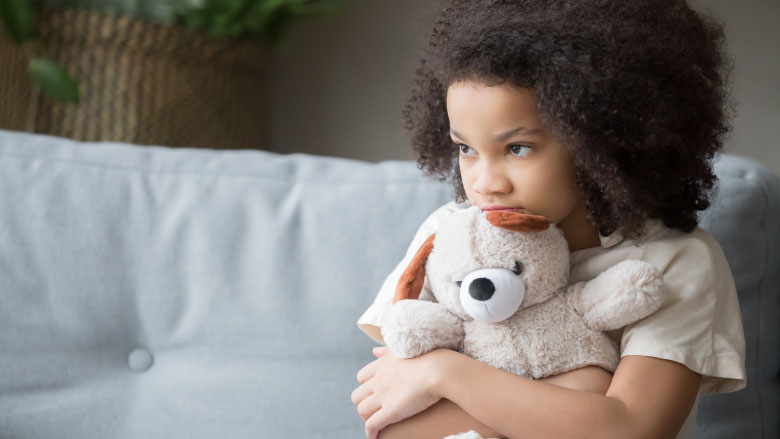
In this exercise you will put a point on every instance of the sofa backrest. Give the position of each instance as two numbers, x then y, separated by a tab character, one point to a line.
745	219
152	292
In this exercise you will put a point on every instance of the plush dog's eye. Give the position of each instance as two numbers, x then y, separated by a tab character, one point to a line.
518	268
458	282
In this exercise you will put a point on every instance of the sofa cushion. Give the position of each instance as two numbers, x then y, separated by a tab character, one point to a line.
150	292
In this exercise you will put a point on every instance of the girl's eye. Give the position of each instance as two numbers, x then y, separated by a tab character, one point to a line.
517	150
520	150
464	149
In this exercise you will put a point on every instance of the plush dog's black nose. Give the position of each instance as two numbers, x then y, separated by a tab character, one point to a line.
481	289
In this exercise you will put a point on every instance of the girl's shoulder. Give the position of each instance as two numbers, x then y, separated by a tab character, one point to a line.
697	250
660	245
699	324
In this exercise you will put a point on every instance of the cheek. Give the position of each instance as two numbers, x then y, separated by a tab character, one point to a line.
560	185
555	192
465	176
570	192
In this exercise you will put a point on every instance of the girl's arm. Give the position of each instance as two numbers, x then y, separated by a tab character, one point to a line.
445	417
648	397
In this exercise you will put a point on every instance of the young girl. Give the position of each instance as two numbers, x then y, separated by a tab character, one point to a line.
603	116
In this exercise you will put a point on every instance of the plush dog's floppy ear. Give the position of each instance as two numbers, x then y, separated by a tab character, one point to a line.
518	222
411	282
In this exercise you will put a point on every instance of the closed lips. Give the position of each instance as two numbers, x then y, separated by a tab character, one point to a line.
500	208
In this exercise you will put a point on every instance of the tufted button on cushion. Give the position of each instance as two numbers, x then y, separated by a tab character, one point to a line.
140	360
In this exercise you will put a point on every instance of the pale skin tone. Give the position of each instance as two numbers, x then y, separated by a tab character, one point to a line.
445	392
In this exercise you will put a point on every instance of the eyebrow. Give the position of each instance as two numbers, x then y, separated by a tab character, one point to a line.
507	135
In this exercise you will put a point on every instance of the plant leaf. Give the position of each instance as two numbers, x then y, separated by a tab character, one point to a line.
53	80
17	16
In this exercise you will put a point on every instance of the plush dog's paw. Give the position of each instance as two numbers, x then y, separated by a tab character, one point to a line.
624	293
647	283
413	327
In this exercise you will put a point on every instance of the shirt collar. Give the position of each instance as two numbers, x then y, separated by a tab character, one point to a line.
652	228
611	240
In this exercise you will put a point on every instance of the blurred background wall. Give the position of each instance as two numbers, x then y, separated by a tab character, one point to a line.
339	87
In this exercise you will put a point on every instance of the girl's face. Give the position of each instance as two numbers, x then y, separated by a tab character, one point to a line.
508	160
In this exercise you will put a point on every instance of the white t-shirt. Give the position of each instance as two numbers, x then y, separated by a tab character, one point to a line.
699	325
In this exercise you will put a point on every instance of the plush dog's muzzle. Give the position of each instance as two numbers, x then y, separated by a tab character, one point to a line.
492	294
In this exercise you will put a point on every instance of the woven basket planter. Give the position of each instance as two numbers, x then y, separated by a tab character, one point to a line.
140	82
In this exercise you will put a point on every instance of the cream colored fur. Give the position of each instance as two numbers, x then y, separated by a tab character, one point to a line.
557	328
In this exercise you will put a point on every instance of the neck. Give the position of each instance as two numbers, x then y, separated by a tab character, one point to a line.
578	231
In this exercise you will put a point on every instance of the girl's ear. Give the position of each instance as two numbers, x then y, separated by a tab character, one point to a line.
518	222
411	282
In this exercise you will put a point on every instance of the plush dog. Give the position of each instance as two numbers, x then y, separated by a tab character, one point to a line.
497	288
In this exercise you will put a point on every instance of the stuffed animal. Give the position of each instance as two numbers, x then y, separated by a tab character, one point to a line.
497	290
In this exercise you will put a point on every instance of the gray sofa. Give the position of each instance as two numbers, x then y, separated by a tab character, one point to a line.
152	292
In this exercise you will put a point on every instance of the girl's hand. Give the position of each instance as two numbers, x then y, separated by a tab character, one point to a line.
393	389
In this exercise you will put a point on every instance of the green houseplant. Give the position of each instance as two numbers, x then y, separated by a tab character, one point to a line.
79	50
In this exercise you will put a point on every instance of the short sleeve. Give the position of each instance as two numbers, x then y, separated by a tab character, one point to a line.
699	324
370	321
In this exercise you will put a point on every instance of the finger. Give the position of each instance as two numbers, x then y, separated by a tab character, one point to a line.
381	350
360	393
379	420
369	406
366	372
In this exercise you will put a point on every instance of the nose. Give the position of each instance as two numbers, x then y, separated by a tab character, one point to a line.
492	180
481	289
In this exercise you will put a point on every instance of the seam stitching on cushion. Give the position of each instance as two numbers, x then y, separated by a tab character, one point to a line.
196	173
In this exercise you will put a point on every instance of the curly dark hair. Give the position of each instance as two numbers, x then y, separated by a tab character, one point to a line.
637	91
